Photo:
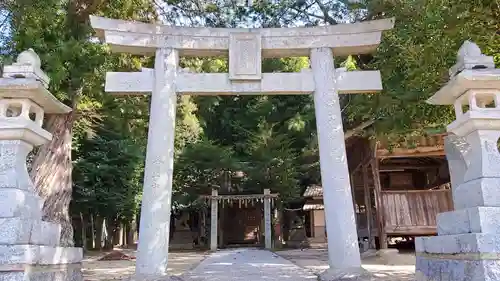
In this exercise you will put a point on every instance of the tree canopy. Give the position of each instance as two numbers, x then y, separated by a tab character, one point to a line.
414	59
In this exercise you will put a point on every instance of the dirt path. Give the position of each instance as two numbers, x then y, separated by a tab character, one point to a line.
248	264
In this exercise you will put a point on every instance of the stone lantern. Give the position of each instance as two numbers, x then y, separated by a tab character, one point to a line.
468	245
29	246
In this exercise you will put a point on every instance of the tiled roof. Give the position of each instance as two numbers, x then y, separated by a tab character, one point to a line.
314	191
309	206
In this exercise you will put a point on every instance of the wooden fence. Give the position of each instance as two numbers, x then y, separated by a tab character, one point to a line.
413	212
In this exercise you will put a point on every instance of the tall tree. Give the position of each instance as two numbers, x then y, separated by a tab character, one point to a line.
269	13
272	165
107	174
59	31
414	59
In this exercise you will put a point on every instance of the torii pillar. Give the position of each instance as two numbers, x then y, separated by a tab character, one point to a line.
245	48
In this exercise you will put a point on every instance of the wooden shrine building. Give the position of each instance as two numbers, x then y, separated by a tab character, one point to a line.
397	192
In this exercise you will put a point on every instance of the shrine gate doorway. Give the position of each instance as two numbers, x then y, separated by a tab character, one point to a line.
237	220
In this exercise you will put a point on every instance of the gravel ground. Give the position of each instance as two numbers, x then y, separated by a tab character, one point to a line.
250	264
94	270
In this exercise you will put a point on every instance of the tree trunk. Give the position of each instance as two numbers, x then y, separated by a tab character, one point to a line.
84	231
51	174
117	235
99	230
131	232
123	234
92	231
126	230
78	230
110	234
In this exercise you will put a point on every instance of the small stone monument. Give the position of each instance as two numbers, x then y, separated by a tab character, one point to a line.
468	243
29	247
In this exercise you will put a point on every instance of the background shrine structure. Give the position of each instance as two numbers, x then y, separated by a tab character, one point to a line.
397	192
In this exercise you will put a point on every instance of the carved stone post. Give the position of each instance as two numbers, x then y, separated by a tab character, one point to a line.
29	247
468	245
214	220
267	219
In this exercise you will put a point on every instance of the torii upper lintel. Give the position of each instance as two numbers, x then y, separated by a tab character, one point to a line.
144	38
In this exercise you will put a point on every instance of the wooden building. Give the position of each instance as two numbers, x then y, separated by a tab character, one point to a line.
397	192
315	216
240	218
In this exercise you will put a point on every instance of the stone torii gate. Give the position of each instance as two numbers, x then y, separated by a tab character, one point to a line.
245	48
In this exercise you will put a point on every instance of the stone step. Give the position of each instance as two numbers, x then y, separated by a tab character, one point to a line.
478	192
470	220
447	269
12	255
487	244
70	272
19	203
19	231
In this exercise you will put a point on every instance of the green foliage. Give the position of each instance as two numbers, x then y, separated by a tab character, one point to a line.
188	129
106	172
414	59
272	165
200	167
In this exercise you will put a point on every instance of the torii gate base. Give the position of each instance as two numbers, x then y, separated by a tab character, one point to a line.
246	47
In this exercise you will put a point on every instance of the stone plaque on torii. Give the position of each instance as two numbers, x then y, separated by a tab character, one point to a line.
246	48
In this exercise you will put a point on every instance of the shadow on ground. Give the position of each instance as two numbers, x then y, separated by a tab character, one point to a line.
392	267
